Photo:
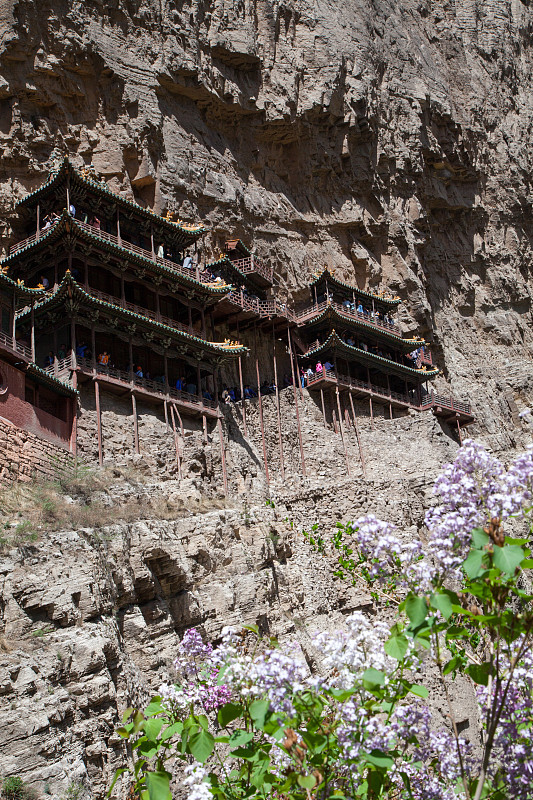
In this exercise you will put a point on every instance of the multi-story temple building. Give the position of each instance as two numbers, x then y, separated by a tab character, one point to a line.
121	303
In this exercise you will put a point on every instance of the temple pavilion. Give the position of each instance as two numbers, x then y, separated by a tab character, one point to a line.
350	342
124	302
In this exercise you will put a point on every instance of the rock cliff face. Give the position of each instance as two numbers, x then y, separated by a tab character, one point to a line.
390	140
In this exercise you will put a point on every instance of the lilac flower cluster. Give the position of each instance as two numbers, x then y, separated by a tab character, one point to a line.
347	654
472	490
513	743
197	673
276	673
195	781
389	558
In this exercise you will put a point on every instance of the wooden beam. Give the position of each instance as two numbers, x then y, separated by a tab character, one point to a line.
295	390
278	410
260	399
323	407
176	443
223	456
135	423
243	403
357	436
342	431
98	422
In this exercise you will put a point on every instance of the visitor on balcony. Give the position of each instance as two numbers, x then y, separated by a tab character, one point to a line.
191	388
45	282
309	374
206	395
180	384
360	308
350	341
62	352
49	360
95	222
302	377
139	372
318	368
187	262
81	350
72	210
103	359
328	366
161	251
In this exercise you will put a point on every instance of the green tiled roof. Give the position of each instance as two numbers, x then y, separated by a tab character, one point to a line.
21	290
69	287
67	224
66	168
406	344
41	376
326	275
334	342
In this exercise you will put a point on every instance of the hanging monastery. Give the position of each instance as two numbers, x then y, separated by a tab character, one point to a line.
106	297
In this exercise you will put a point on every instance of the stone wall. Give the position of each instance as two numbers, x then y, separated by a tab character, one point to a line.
26	457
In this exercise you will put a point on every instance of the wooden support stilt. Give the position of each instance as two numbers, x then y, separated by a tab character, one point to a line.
334	417
347	419
295	390
182	429
204	425
293	351
38	220
222	455
73	342
98	422
357	436
342	431
243	403
176	442
459	432
74	429
135	423
260	400
166	413
278	410
323	407
371	412
390	410
32	334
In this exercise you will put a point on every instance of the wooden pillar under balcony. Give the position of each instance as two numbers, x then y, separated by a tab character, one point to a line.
323	407
38	229
388	390
459	432
98	422
118	227
204	332
73	342
260	400
204	425
278	410
189	309
165	407
130	356
342	431
32	340
222	455
157	306
357	435
152	240
243	403
135	422
176	442
295	391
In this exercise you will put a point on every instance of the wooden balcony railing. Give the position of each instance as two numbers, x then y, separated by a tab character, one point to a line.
251	265
17	347
154	387
312	311
263	308
431	400
117	301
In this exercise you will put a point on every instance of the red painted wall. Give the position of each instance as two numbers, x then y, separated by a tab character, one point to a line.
14	408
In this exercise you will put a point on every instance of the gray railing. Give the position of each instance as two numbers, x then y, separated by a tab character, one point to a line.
17	347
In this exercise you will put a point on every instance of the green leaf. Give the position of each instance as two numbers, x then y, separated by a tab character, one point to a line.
258	711
127	714
228	713
177	727
201	745
372	678
527	563
480	672
416	609
396	647
442	603
306	781
117	775
152	728
240	738
479	538
252	627
508	558
379	759
157	784
473	565
154	707
419	690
